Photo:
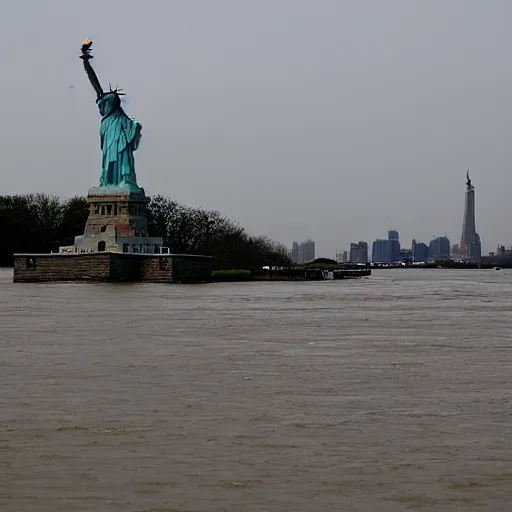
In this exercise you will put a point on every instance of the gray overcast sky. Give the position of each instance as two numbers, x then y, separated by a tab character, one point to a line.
329	119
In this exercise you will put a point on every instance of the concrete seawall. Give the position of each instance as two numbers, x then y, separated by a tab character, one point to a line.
112	267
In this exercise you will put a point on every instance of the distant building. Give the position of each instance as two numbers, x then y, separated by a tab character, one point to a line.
308	251
406	255
381	252
470	246
359	252
504	255
393	235
387	251
439	249
303	252
394	246
419	251
341	256
295	252
394	250
504	252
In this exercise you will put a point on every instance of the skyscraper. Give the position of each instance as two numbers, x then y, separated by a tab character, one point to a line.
308	250
394	245
341	256
381	251
439	249
419	251
295	253
387	251
303	252
359	252
470	247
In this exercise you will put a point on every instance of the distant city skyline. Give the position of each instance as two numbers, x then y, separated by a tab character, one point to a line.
389	250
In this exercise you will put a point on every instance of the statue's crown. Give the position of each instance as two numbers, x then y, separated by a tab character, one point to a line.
116	91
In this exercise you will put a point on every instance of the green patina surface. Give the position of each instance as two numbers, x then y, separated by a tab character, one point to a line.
119	134
120	137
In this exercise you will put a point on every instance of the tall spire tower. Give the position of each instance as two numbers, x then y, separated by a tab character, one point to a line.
470	248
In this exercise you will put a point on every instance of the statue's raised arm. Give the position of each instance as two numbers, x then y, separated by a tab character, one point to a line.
86	57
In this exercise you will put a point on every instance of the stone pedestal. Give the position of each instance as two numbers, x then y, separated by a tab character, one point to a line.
117	222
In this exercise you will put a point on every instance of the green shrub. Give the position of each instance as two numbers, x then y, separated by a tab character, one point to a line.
231	275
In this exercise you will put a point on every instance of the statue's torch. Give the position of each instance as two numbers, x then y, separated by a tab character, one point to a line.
86	49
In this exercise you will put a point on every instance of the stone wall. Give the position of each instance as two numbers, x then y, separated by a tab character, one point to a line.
156	269
41	268
191	268
109	266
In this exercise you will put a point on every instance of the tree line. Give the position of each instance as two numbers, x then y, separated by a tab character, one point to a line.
40	223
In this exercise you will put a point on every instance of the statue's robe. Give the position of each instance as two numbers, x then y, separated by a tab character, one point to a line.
120	137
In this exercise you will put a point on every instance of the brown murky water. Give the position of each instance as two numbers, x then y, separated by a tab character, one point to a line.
387	394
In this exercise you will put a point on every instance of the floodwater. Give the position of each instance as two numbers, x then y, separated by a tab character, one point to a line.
390	393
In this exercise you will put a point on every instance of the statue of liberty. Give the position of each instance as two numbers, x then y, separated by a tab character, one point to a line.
119	134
